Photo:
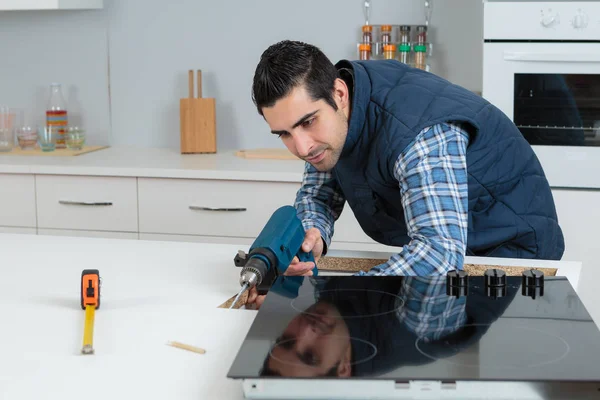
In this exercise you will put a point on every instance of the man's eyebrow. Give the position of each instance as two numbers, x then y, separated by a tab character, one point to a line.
304	118
298	123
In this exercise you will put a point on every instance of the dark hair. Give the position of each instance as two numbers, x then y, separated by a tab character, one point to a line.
288	64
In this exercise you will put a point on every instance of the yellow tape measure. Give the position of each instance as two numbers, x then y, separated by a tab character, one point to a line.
90	302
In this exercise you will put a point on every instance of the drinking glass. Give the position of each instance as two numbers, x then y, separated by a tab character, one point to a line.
75	138
26	137
7	138
47	137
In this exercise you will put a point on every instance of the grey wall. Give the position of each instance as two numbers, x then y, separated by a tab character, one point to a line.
125	67
70	47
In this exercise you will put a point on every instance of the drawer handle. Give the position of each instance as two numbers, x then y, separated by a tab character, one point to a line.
84	203
216	209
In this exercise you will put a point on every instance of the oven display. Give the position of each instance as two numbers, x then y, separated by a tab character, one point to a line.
558	109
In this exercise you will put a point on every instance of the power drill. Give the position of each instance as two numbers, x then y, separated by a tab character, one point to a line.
273	251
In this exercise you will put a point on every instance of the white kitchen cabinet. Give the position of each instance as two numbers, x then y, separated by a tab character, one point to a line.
14	5
210	207
222	211
17	201
89	234
94	203
579	218
347	228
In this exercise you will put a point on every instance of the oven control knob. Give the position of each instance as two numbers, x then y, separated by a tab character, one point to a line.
549	19
580	21
495	283
457	283
532	284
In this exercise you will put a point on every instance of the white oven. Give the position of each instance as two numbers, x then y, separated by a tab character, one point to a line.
541	67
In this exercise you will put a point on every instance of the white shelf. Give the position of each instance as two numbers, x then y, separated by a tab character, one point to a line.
14	5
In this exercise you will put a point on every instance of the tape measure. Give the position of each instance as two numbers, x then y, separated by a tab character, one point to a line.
90	302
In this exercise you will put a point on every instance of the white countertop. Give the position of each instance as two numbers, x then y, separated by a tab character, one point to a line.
151	292
156	163
564	167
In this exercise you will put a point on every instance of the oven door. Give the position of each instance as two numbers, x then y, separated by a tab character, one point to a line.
551	91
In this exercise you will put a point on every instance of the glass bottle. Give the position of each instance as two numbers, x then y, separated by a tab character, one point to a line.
56	114
404	44
421	47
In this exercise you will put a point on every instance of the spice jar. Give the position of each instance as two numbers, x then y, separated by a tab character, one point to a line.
389	51
421	47
364	51
404	44
367	37
386	35
404	34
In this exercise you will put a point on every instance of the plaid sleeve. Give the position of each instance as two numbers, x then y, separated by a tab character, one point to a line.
432	177
319	202
428	312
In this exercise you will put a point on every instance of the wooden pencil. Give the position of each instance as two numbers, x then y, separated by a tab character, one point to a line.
186	347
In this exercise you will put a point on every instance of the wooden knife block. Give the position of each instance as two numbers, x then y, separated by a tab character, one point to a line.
198	122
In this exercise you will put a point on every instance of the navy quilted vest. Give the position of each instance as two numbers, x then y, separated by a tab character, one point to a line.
511	209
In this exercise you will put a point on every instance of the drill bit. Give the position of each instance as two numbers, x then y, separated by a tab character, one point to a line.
244	288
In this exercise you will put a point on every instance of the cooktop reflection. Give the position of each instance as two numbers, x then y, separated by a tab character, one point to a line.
447	329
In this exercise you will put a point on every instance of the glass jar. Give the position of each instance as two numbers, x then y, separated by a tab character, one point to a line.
364	51
367	36
404	34
420	48
421	34
404	44
389	51
386	35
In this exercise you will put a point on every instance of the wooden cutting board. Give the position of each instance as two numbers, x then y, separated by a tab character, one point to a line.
267	154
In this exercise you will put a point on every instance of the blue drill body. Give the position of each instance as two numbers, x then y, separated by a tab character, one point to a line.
274	248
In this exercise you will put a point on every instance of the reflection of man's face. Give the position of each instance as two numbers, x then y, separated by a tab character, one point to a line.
315	343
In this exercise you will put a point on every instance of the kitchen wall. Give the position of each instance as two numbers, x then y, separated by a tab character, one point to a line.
124	68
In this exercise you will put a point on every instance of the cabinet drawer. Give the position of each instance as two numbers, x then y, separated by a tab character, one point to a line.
210	207
87	202
17	202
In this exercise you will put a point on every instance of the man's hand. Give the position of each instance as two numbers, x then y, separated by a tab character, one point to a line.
312	241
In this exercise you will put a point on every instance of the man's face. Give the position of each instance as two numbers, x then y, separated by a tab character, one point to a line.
314	343
311	130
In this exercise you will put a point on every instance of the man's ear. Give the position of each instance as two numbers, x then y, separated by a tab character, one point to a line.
344	369
341	93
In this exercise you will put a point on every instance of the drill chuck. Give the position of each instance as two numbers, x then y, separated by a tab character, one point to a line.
253	272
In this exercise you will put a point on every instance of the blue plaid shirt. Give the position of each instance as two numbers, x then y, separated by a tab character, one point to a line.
433	186
428	312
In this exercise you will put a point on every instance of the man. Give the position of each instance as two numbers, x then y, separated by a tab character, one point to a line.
369	326
424	165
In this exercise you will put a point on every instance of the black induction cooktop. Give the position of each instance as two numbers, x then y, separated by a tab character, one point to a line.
439	334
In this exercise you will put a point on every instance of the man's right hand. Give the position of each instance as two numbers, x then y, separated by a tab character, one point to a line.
312	241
